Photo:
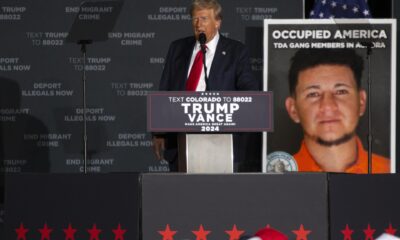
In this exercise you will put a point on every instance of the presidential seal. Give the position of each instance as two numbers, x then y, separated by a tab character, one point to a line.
279	162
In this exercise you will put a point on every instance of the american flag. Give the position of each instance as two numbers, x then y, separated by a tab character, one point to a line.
340	9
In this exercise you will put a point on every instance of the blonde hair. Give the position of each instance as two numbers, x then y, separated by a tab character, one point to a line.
207	4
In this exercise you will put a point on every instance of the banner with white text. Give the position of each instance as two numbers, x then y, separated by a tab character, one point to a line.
41	109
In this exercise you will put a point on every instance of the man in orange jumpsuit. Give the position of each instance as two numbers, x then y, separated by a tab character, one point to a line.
327	100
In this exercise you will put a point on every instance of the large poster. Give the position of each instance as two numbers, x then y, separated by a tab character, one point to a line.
289	45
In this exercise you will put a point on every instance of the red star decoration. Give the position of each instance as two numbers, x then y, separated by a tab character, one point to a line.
234	234
45	232
347	232
69	232
21	232
391	230
119	233
301	234
167	233
201	234
369	233
94	232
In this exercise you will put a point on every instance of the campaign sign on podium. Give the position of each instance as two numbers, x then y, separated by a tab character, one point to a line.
244	111
221	113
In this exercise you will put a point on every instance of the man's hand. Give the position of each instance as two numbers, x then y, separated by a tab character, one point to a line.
158	147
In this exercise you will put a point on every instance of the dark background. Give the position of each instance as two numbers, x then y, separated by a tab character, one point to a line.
47	20
140	64
116	89
27	143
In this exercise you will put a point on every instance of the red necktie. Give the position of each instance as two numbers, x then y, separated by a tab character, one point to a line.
195	72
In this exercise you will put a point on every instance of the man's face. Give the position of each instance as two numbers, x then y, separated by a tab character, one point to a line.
204	20
327	103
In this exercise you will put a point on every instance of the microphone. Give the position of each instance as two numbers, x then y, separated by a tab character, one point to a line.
368	45
203	40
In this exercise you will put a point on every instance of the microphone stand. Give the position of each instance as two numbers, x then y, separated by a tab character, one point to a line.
203	40
83	44
369	85
86	31
204	50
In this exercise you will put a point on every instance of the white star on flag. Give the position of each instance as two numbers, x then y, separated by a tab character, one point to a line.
340	9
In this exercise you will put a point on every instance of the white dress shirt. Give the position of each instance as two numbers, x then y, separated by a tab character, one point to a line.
211	48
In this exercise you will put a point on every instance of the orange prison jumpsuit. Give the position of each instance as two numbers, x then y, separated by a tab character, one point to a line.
380	164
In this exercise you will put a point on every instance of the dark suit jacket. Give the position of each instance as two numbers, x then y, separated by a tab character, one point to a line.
230	71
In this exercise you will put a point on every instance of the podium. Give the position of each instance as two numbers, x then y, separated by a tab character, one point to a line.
205	123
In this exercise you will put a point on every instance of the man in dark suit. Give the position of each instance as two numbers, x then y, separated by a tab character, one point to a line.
227	63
